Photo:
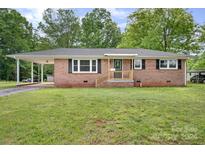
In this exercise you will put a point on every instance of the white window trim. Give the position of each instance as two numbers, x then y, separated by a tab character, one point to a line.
84	71
138	68
165	68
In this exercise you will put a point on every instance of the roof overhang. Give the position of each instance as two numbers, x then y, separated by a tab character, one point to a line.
121	55
49	59
35	59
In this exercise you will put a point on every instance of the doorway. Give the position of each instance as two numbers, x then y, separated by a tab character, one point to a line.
118	68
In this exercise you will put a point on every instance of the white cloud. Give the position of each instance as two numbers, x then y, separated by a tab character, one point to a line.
119	13
122	26
34	15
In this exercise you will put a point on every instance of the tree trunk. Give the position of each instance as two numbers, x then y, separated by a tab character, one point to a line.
165	39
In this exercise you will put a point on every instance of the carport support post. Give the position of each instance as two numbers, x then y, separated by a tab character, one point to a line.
17	71
31	72
41	73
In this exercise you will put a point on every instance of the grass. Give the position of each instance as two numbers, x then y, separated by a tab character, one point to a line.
7	84
172	115
10	84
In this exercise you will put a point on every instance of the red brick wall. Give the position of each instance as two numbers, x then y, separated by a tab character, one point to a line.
154	77
117	84
64	79
148	77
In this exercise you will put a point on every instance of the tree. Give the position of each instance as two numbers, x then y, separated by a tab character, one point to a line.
198	62
161	29
61	27
202	32
15	37
99	31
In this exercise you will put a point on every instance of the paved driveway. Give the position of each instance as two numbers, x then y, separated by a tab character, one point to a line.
9	91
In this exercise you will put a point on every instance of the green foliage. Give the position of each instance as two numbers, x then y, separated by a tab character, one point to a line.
99	31
160	29
202	31
15	37
61	27
197	63
7	84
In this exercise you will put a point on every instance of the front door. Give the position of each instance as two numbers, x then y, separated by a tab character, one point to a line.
118	68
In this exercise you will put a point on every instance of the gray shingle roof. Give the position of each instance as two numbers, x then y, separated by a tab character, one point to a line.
98	52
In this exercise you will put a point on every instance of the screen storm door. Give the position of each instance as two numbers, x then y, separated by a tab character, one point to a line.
118	68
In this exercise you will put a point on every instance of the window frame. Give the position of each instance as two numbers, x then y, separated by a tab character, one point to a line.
168	67
90	65
138	68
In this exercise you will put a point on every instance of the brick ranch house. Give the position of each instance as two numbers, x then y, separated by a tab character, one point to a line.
85	67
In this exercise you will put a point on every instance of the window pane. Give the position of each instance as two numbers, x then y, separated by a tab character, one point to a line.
163	63
93	68
172	64
93	62
93	65
85	68
76	68
85	62
137	63
75	62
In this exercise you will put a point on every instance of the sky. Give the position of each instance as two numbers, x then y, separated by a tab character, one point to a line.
119	15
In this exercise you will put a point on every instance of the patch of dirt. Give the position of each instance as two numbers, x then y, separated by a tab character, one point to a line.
103	122
100	123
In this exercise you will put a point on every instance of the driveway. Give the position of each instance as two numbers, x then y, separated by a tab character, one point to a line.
9	91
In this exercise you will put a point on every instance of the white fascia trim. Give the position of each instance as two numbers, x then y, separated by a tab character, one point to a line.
107	54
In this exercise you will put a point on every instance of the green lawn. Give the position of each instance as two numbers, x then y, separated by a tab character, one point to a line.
104	116
10	84
7	84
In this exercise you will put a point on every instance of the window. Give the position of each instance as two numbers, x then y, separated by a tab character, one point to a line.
168	64
94	66
137	64
172	63
163	64
84	66
75	65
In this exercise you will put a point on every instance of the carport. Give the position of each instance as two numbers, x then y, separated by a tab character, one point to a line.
33	59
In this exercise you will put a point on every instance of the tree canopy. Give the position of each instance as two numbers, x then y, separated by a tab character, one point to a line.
99	31
15	36
171	30
61	27
161	29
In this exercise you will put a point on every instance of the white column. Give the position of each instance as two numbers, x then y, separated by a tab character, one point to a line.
41	73
185	73
31	72
132	69
122	69
17	71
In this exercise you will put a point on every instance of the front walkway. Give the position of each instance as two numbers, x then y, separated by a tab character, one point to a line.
9	91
